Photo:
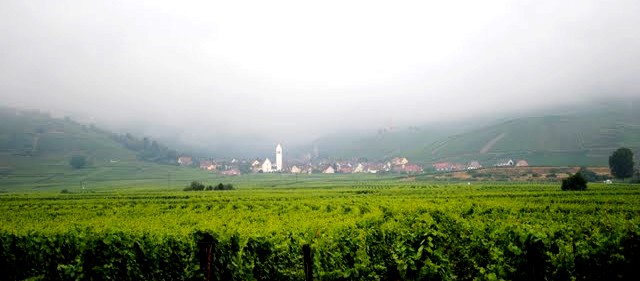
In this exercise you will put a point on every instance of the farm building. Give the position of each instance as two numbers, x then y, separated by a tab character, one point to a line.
505	163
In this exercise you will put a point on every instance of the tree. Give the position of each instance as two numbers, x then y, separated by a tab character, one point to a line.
244	168
221	186
621	163
194	186
78	161
575	182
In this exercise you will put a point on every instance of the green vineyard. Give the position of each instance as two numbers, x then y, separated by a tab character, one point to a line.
366	231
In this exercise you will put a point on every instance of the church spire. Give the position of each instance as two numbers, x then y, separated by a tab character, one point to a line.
279	158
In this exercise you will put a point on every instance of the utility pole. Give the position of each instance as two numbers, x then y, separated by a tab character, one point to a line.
168	179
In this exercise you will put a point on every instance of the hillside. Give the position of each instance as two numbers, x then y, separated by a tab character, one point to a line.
383	143
583	137
558	140
35	150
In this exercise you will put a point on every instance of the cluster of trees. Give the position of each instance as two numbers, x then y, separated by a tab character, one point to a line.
198	186
147	149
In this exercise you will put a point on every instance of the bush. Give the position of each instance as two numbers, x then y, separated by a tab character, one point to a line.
198	186
221	186
575	182
636	177
194	186
78	161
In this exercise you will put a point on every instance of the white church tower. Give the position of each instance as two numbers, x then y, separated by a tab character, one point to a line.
279	158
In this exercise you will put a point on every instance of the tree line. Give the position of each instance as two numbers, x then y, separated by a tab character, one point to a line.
147	149
198	186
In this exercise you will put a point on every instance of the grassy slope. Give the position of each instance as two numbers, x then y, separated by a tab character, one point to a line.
587	137
381	146
575	139
46	165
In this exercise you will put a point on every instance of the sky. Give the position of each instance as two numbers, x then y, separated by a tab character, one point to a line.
207	71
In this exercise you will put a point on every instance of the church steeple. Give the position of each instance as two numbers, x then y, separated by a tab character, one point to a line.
279	158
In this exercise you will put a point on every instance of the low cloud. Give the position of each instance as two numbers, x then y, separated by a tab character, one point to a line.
206	71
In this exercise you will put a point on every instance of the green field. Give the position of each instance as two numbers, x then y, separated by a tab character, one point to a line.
357	228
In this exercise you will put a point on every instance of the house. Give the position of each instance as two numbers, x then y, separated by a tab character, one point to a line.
295	170
208	165
442	166
359	168
329	170
474	165
205	163
522	163
345	169
256	166
505	163
343	164
267	167
458	167
399	161
413	169
185	161
374	168
231	172
387	166
408	169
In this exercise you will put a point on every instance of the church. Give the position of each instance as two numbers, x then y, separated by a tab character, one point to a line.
268	167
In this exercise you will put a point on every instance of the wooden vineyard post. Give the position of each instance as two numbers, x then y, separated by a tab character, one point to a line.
206	255
308	262
209	260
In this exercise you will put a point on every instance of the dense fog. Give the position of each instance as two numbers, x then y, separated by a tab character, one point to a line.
230	72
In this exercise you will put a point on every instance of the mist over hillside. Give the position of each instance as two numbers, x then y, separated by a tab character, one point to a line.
377	80
583	134
220	77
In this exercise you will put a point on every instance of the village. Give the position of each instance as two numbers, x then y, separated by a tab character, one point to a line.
398	165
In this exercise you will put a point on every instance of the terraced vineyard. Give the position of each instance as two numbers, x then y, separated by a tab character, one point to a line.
363	231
